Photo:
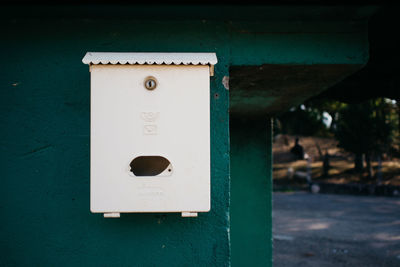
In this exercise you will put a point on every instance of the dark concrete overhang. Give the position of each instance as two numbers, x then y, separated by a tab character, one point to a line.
297	69
272	88
380	77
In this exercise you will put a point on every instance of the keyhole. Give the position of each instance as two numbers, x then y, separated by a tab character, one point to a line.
150	83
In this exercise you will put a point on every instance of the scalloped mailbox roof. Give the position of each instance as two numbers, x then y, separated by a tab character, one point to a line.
150	58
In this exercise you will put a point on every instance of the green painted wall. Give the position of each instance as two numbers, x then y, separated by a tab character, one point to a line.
44	137
251	196
44	146
299	42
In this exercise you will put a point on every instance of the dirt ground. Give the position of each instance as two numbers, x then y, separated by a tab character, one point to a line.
341	162
335	230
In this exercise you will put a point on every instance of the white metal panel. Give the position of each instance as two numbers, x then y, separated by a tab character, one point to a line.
150	58
172	121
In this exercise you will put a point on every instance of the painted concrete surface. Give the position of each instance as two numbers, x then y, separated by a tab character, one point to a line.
251	179
44	150
335	230
44	141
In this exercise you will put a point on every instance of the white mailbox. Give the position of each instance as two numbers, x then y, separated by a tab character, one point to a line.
150	132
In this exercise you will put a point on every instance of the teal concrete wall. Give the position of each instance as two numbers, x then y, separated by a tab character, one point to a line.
44	146
299	42
44	137
251	196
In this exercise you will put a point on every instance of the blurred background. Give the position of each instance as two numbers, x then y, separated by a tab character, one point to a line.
342	142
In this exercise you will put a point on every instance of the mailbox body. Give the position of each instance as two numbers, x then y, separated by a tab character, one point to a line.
171	122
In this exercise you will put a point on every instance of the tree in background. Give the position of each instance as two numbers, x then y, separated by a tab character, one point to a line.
308	119
300	120
365	129
332	107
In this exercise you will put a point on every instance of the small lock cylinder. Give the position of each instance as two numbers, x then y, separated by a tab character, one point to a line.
150	83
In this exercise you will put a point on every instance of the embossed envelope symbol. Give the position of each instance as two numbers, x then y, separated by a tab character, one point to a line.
150	116
149	129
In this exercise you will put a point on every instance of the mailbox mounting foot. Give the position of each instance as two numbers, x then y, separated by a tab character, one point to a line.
189	214
112	215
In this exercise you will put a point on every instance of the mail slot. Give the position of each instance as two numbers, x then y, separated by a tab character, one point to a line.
150	132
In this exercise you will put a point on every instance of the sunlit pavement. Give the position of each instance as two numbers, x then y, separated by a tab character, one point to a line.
335	230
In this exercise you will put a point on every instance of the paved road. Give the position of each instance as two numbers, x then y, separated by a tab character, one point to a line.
335	230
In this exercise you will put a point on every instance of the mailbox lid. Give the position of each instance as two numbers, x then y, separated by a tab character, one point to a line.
94	58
